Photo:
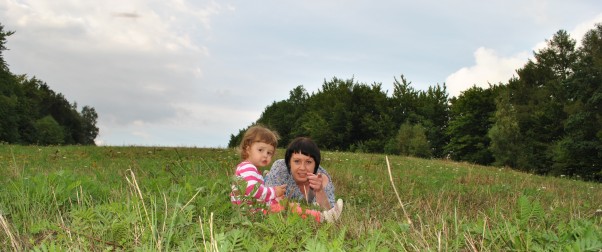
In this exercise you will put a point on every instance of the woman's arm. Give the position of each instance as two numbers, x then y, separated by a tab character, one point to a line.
321	195
324	193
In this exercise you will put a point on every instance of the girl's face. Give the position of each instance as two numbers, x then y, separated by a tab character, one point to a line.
301	165
260	154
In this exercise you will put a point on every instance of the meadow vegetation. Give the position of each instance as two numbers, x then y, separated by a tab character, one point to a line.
86	198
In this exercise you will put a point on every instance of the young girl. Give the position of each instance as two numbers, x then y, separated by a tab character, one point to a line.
257	149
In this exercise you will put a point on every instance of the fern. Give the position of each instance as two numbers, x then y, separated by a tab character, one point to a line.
249	203
48	248
584	246
529	211
338	244
236	238
119	232
315	245
583	236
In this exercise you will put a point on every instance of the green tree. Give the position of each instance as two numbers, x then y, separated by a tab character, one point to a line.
506	139
49	131
30	104
283	116
9	130
471	117
370	118
90	131
3	36
433	110
538	98
579	152
236	139
411	140
404	101
342	115
9	93
428	108
329	117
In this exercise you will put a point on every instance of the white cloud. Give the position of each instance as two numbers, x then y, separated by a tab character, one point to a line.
579	31
490	68
112	25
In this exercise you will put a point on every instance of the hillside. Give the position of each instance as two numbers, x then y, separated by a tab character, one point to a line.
153	198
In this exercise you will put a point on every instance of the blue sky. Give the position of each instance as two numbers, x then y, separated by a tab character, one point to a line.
191	73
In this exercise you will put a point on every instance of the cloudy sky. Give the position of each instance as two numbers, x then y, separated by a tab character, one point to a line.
191	73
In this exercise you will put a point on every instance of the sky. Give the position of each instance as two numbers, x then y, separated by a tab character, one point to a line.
192	73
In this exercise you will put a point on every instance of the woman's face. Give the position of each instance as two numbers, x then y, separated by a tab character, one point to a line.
301	165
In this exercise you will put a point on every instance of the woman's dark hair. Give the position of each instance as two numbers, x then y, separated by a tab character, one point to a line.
305	146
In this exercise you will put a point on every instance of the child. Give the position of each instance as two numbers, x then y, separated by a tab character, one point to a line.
257	149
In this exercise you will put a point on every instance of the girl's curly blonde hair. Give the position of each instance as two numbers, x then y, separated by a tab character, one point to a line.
257	133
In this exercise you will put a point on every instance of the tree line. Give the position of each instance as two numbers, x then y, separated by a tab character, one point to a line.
31	113
545	120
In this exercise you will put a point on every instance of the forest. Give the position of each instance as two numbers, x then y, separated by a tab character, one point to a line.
546	120
32	113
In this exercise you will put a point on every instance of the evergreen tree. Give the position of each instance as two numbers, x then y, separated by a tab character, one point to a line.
433	109
506	139
404	102
470	120
537	97
579	152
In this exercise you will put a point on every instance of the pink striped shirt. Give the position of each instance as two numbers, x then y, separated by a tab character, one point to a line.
251	175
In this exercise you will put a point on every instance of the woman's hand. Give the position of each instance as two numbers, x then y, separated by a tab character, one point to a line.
317	182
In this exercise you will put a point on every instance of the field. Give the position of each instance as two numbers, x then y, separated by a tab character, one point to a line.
79	198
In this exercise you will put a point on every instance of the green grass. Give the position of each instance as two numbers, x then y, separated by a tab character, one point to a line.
78	198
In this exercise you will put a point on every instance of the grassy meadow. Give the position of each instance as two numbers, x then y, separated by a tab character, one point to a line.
84	198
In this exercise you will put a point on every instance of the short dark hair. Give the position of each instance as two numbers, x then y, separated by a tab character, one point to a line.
305	146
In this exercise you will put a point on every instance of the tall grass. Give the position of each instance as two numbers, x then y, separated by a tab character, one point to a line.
77	198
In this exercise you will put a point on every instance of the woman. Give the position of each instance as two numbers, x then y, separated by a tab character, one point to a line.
305	180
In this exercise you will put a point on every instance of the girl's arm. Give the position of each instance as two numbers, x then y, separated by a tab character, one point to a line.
255	186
